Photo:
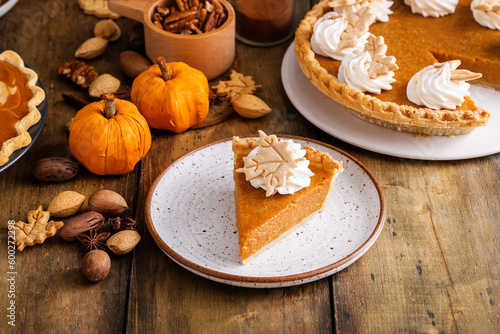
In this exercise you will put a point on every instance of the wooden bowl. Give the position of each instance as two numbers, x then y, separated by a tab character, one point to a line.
211	52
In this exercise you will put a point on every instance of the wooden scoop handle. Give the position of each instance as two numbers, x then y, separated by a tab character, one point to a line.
133	9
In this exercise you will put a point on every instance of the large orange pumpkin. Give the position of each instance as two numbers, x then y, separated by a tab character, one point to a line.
171	96
109	136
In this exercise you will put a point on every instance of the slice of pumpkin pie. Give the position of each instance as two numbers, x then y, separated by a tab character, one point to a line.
278	185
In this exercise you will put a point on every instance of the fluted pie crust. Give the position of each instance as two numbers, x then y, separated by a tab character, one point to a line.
393	110
262	221
32	116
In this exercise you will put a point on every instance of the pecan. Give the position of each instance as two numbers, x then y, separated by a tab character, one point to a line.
211	21
79	72
163	11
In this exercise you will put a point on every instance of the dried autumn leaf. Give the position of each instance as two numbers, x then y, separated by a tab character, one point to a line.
275	163
237	85
37	230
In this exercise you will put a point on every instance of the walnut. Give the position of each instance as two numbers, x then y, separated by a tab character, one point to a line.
79	72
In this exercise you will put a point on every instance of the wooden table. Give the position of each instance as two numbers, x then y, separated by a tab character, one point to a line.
434	268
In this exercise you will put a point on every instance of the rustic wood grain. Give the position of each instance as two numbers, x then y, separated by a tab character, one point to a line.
435	267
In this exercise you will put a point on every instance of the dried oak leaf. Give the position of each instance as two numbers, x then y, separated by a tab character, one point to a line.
275	163
237	85
37	230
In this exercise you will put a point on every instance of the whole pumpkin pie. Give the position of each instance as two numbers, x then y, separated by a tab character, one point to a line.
264	216
416	42
19	98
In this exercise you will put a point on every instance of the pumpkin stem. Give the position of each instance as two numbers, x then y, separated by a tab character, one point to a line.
109	105
165	73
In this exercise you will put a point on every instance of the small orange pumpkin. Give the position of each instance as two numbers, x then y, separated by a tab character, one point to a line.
109	136
171	96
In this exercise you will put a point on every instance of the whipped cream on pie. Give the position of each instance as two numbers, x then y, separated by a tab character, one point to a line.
328	33
432	8
277	166
440	86
486	13
381	8
354	72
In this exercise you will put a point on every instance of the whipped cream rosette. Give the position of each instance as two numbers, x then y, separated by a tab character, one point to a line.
370	70
486	13
440	85
381	8
432	8
335	36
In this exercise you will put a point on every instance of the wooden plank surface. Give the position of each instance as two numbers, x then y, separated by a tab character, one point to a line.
434	268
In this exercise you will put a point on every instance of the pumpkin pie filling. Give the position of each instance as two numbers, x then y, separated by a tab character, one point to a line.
262	220
416	42
14	97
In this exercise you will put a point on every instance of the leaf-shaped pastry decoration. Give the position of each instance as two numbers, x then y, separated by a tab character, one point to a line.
359	23
37	230
381	64
275	163
459	75
236	86
488	6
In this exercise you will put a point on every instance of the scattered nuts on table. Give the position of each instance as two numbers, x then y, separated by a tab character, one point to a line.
108	203
96	265
133	63
104	84
250	106
123	242
66	204
80	224
92	48
55	169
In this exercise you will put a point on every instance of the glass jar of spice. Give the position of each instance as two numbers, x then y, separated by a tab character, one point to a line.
264	22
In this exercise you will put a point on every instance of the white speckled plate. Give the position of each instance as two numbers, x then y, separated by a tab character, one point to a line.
190	214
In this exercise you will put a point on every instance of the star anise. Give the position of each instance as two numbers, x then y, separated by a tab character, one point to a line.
93	240
119	223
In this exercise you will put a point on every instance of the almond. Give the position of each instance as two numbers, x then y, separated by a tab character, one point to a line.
108	30
123	242
66	204
104	84
91	48
108	203
250	106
